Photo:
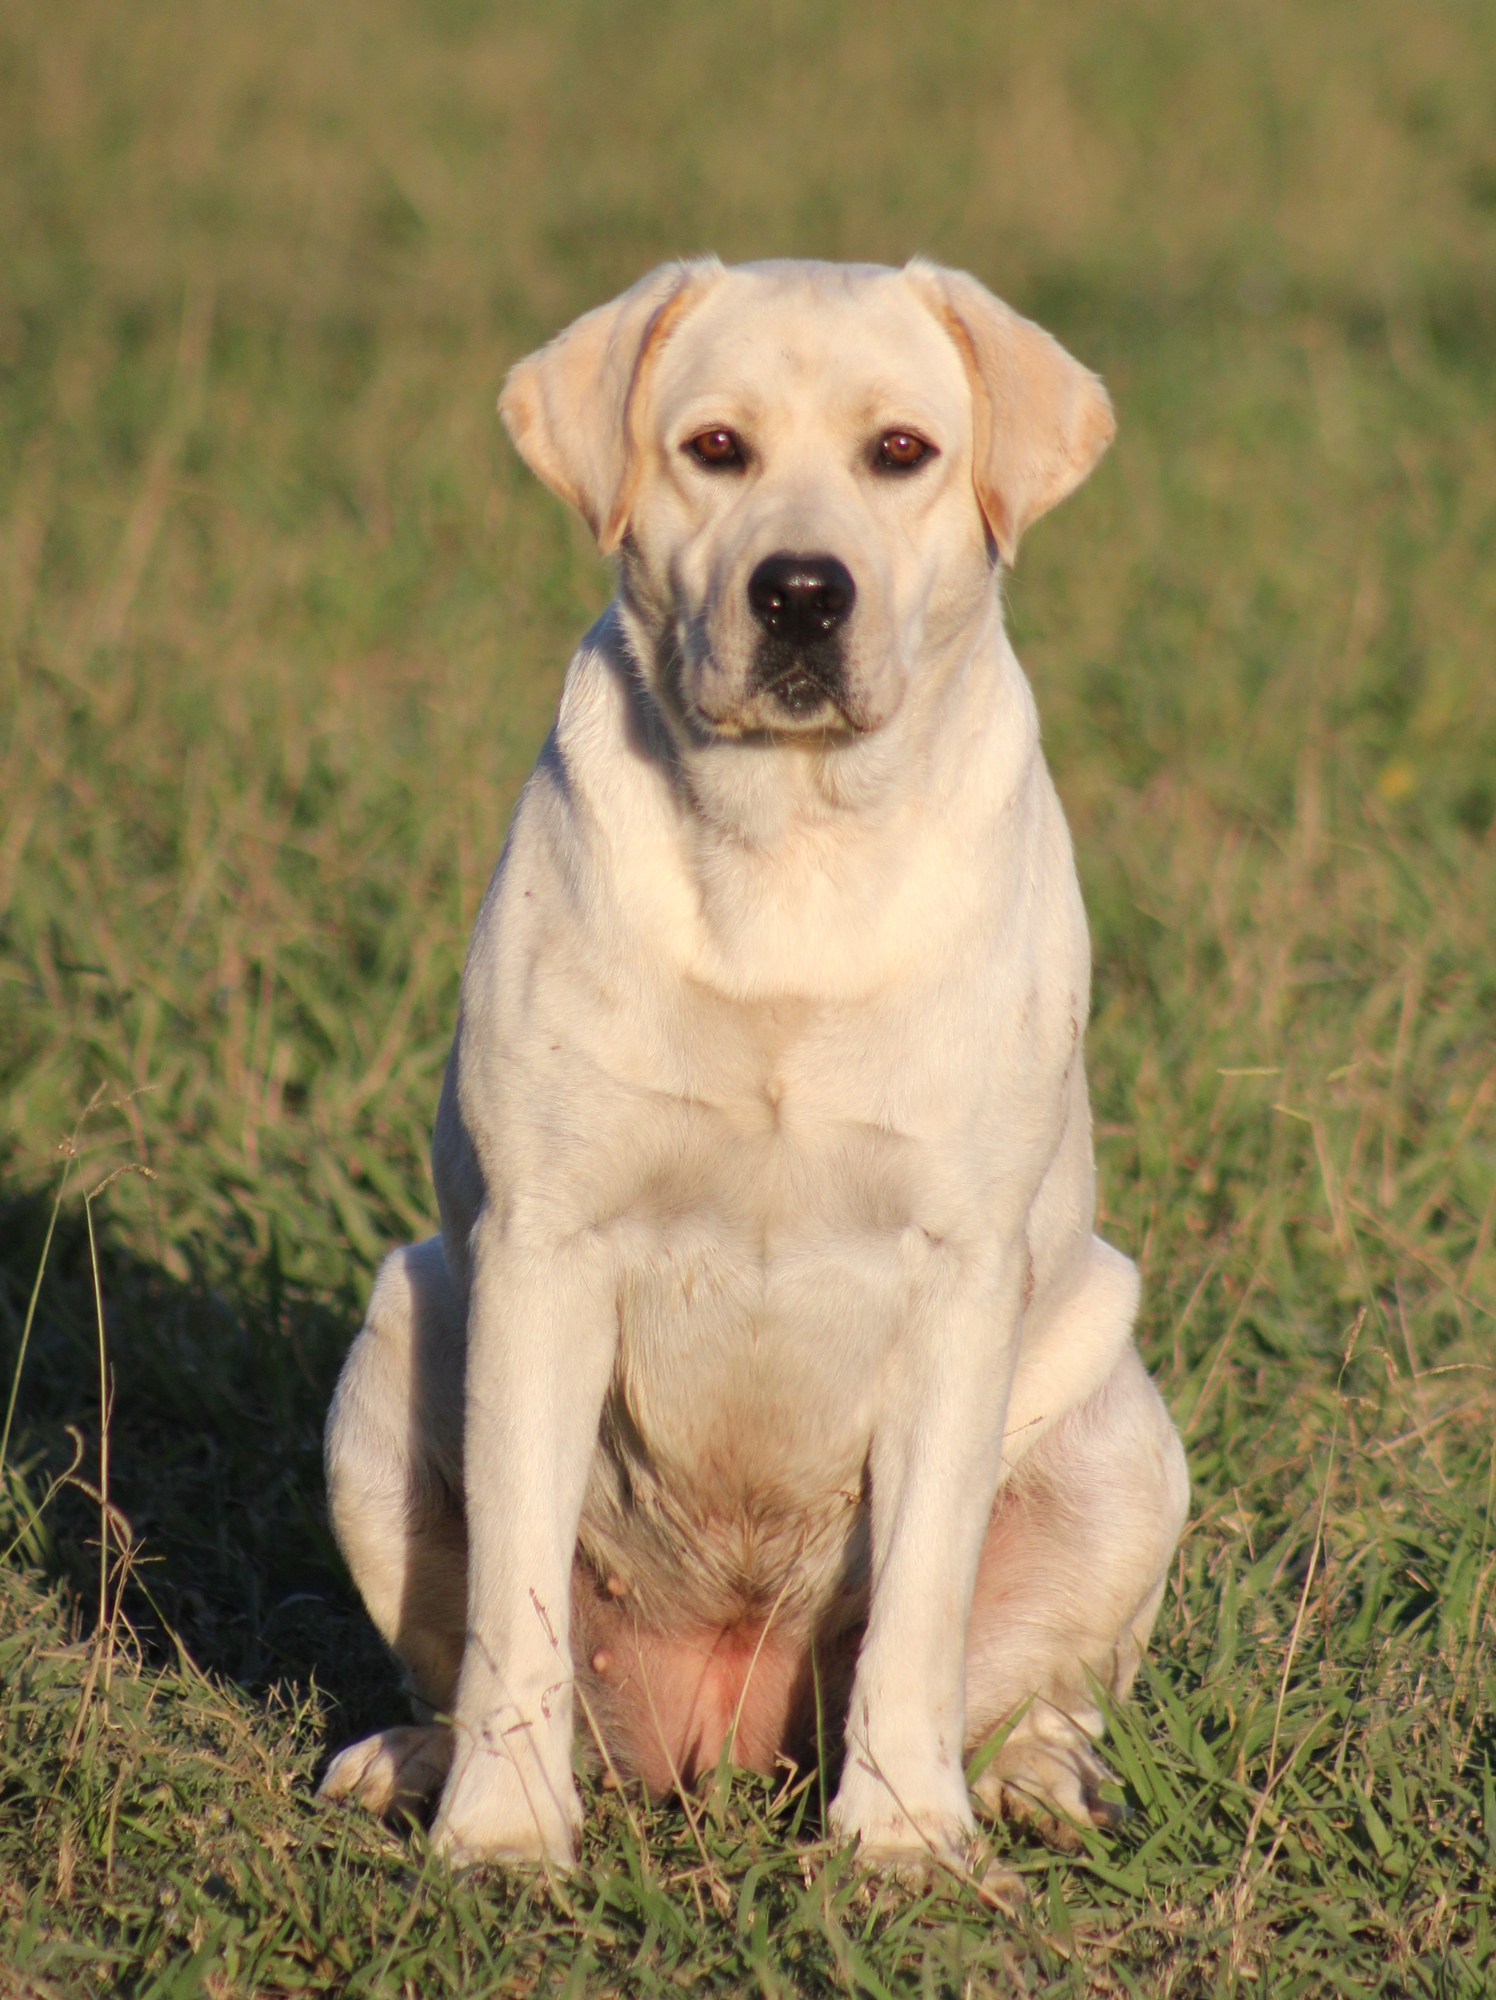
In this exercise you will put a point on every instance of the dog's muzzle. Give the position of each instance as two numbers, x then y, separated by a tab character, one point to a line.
801	603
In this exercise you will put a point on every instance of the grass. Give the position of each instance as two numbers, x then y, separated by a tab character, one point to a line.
281	626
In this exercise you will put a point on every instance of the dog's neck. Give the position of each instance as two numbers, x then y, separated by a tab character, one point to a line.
761	869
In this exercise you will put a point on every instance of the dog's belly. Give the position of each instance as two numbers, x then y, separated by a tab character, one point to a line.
767	1257
723	1566
754	1324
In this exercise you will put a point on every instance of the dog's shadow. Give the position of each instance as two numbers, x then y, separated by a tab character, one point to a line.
215	1443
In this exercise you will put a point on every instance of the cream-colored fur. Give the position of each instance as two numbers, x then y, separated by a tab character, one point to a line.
767	1361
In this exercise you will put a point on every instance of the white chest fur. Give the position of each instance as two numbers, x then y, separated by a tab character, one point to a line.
780	1092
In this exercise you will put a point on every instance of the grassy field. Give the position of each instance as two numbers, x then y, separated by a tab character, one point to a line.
282	623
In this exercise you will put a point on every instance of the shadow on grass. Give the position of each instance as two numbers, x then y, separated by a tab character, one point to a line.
215	1436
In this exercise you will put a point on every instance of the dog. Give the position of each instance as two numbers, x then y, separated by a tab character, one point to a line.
767	1385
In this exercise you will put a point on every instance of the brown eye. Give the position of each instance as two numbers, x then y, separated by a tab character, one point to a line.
717	448
902	451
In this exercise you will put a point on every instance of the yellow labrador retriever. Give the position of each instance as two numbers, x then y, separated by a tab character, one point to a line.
767	1367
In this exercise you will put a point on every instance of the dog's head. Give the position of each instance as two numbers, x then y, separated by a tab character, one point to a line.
808	469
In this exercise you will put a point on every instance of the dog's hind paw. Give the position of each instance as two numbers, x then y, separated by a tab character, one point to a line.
1055	1791
395	1771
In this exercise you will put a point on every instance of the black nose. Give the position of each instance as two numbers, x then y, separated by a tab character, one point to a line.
801	599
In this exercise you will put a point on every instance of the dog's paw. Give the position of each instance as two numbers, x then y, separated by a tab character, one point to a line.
936	1855
395	1771
950	1866
1056	1791
914	1838
467	1841
494	1811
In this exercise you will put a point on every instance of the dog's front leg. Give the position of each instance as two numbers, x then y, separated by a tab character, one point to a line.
934	1465
541	1336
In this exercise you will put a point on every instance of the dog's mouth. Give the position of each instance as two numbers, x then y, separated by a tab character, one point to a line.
804	683
800	707
788	693
791	691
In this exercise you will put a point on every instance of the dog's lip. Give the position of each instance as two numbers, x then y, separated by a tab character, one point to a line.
730	724
798	678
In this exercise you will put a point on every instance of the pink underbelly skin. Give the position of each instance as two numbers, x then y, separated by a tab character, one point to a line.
666	1704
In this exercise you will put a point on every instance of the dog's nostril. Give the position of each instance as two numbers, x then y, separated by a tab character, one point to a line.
801	598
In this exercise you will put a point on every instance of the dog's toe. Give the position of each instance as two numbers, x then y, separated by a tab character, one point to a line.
969	1863
1054	1791
1002	1887
395	1771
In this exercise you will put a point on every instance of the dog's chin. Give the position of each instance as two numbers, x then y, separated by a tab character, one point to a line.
769	722
793	709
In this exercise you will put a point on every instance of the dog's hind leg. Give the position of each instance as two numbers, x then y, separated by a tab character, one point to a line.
394	1480
1070	1580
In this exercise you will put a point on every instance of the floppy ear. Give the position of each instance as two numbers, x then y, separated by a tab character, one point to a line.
1041	420
571	408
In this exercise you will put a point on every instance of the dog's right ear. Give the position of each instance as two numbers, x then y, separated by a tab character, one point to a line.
572	407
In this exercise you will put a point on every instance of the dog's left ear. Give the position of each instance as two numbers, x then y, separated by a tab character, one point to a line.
571	408
1041	420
